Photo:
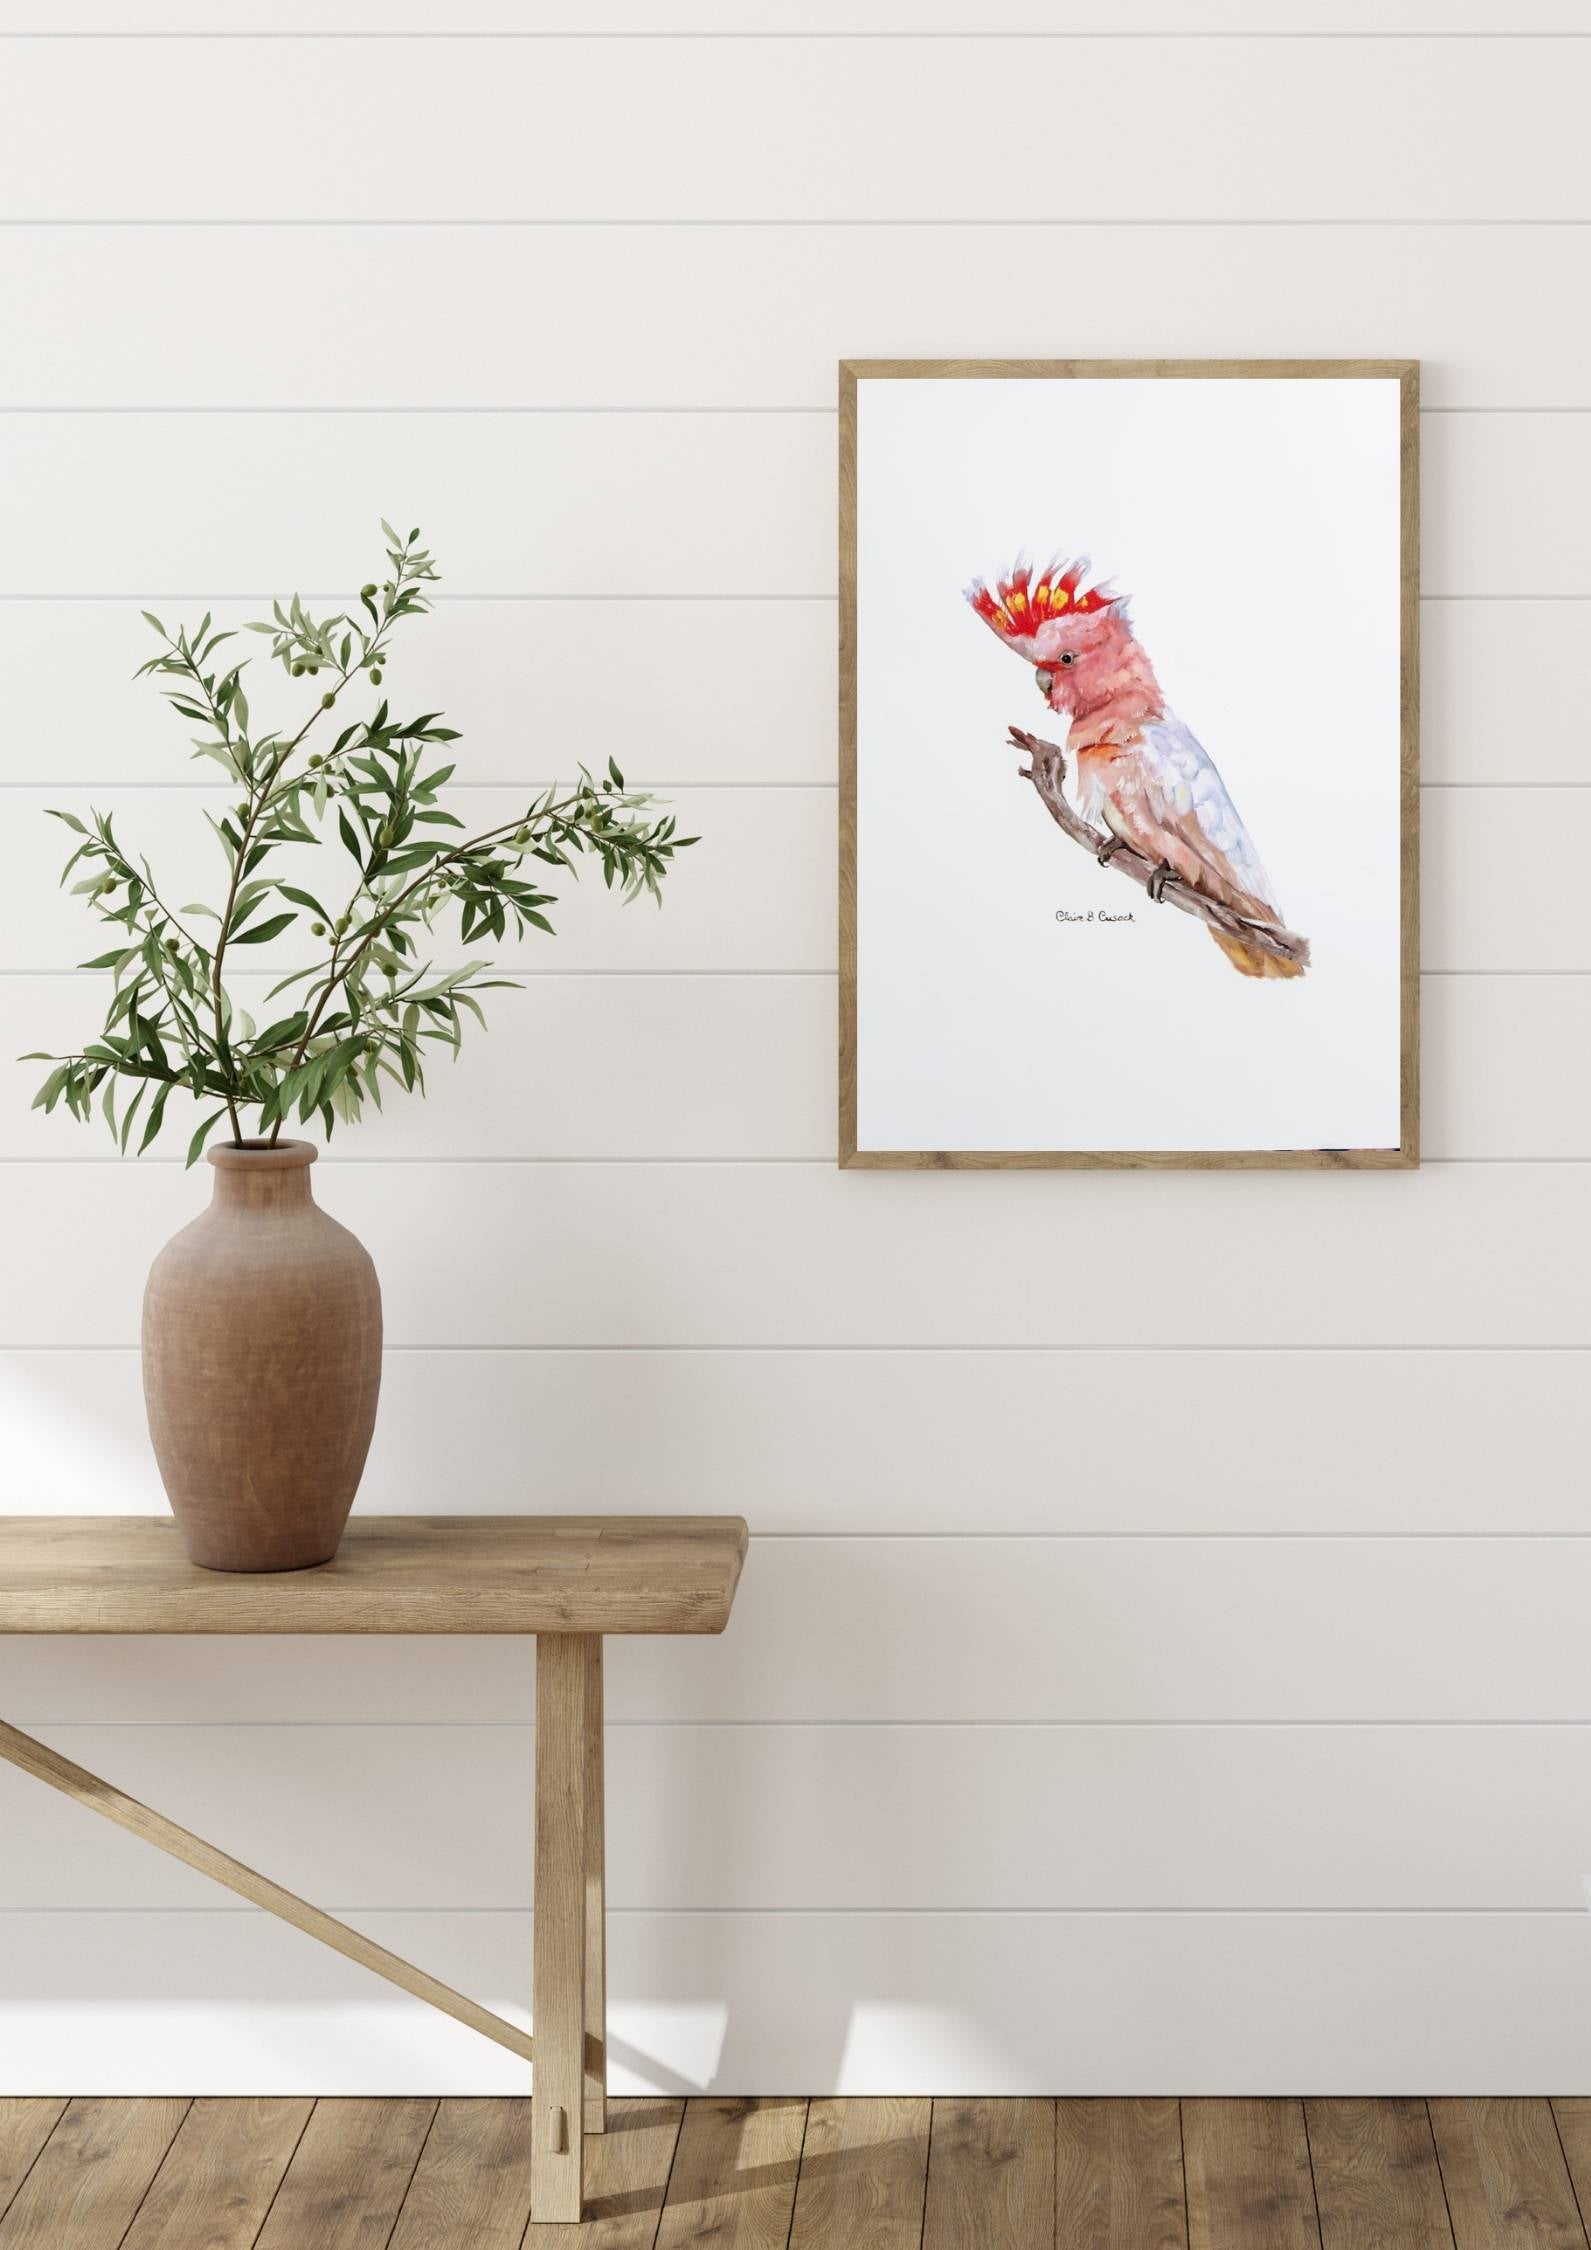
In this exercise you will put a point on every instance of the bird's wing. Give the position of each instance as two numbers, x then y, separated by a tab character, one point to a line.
1184	794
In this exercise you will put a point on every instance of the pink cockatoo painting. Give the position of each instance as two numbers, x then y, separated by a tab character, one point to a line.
1140	771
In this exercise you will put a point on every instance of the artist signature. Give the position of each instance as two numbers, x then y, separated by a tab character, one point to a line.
1065	914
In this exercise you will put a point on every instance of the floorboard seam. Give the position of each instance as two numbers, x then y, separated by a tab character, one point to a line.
265	2215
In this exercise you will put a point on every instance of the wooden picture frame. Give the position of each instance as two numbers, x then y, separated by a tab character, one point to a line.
1402	1154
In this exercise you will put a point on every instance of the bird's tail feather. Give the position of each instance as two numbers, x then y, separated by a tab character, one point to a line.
1250	961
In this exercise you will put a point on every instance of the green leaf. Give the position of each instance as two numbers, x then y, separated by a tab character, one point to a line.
263	930
306	898
150	618
283	1033
346	830
157	1111
132	1112
298	976
50	1092
196	1145
151	1045
248	898
405	862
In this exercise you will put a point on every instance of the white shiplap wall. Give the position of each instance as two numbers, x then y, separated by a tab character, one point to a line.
1161	1663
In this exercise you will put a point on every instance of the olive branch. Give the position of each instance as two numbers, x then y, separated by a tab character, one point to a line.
375	1000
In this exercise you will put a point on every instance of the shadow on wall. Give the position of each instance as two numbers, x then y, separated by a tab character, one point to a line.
236	2003
396	1774
58	1461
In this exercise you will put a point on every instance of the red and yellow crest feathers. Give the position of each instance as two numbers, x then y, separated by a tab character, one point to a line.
1021	605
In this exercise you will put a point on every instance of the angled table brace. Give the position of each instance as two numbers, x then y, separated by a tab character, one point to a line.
22	1751
567	1579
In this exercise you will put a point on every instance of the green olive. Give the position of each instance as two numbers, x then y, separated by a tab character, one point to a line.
327	701
375	675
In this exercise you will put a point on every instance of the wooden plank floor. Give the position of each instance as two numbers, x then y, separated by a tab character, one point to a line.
779	2173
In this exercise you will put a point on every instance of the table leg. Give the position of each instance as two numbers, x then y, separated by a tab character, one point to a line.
558	1975
596	2093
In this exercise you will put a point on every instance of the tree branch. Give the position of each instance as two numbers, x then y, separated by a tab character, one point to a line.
1047	772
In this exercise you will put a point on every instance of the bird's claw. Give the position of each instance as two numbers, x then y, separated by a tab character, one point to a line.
1107	852
1156	885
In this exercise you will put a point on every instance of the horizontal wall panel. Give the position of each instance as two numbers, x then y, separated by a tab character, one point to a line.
878	1441
547	316
985	1631
693	1068
1146	1630
802	1254
793	129
757	891
686	692
581	504
908	1819
856	2004
1460	740
1505	1066
417	1678
1488	522
780	18
677	691
1468	916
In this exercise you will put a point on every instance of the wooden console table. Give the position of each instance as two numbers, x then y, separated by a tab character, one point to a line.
567	1579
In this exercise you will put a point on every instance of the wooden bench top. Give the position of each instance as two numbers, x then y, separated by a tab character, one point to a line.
393	1574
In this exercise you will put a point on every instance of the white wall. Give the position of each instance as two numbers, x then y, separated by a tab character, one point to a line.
1138	1684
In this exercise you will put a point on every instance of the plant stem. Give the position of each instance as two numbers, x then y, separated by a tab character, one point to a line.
260	799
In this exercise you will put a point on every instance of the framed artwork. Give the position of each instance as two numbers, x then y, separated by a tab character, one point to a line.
1129	847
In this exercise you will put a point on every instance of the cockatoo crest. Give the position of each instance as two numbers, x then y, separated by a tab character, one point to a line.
1024	611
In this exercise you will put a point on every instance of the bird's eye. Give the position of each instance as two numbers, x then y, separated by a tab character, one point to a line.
1067	657
1045	683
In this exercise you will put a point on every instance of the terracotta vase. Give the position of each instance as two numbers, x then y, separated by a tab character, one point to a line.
262	1361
